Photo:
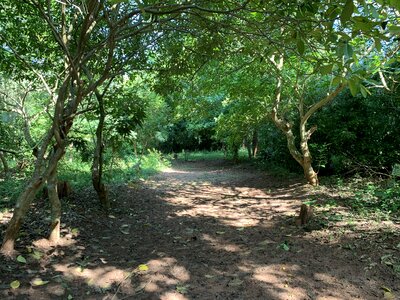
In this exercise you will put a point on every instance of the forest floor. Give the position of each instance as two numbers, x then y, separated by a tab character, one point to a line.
205	230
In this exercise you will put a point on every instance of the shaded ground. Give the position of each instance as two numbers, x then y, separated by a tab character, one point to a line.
204	230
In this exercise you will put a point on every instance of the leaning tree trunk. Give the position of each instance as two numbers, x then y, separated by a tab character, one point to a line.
55	206
45	165
42	172
98	160
21	208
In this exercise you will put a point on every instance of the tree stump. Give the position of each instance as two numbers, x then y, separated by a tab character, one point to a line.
305	215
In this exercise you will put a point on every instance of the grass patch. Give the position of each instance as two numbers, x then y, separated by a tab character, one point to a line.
211	155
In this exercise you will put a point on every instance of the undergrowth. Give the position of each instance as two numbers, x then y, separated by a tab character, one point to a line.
366	197
78	173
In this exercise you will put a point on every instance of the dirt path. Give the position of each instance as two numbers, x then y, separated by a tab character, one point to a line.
200	230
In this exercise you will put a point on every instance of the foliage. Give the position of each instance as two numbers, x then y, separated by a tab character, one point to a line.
368	138
379	199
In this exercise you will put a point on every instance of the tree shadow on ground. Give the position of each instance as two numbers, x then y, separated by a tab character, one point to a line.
208	231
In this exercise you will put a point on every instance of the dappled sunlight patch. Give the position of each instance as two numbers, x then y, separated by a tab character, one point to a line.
237	207
173	296
45	244
282	280
5	217
175	171
102	277
219	244
163	276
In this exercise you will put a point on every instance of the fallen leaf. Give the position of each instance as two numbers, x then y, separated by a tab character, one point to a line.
38	282
21	259
386	289
266	242
220	232
235	282
75	231
124	228
36	255
182	289
209	276
143	267
284	246
388	295
15	284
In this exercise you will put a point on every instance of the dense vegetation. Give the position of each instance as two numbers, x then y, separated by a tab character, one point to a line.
108	91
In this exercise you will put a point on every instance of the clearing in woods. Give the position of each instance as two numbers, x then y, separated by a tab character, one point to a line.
204	230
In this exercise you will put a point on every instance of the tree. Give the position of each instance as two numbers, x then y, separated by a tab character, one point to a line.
84	44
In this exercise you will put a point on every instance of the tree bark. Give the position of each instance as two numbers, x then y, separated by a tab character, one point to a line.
254	145
309	173
41	175
21	208
98	161
248	147
235	150
55	202
6	170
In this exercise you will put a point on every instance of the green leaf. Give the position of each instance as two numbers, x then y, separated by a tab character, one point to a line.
15	284
378	44
348	51
394	29
364	91
300	46
364	26
337	80
327	69
117	1
21	259
284	246
348	10
354	87
395	4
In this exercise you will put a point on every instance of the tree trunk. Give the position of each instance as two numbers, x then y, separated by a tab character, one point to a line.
254	145
6	170
21	208
45	165
248	147
55	207
98	161
235	151
309	172
41	175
